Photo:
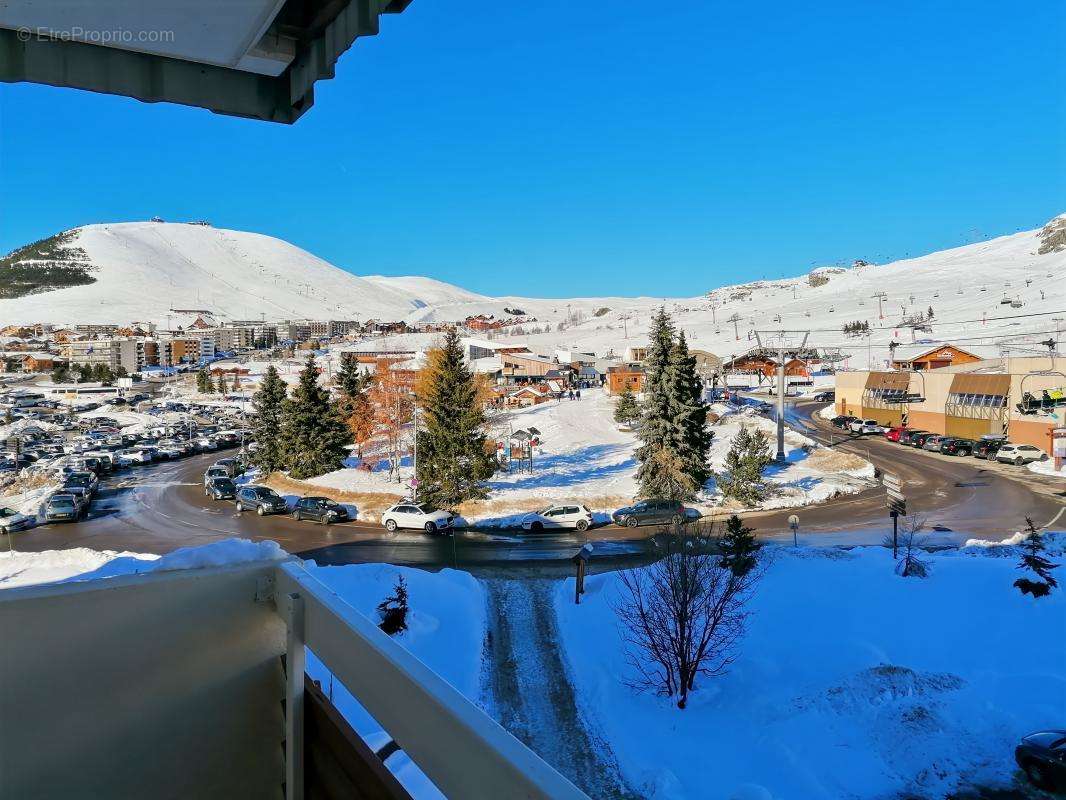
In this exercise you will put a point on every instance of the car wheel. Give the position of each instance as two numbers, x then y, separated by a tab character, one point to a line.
260	510
431	527
1019	461
631	522
536	526
390	525
1036	775
582	525
296	516
677	521
239	506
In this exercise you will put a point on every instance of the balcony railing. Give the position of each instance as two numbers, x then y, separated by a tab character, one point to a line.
170	685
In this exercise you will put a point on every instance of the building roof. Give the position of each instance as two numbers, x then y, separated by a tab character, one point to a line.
913	352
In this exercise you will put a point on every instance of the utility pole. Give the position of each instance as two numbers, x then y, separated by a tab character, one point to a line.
625	327
881	297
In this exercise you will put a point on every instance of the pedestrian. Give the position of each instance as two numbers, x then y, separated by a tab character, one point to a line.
578	393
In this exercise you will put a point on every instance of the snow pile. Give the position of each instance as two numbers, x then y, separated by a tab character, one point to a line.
7	431
851	682
82	564
1048	468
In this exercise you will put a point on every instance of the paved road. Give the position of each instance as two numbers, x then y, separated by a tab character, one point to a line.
968	495
160	508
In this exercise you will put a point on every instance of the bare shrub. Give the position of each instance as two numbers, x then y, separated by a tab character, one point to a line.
684	616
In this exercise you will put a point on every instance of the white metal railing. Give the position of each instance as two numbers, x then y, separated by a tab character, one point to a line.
462	750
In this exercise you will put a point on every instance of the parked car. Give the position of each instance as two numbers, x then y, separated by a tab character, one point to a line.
319	509
231	465
908	434
957	447
987	449
62	508
412	515
1042	757
841	421
1019	454
213	472
81	483
868	427
221	489
11	520
260	499
918	439
577	517
932	443
825	397
650	512
894	433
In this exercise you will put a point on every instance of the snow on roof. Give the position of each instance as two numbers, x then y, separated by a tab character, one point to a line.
912	351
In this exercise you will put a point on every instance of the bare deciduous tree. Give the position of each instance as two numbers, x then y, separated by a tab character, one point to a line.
912	543
684	615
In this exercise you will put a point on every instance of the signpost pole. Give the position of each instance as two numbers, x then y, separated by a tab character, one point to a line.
895	533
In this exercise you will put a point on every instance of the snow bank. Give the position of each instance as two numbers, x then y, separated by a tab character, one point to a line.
80	564
851	682
1048	468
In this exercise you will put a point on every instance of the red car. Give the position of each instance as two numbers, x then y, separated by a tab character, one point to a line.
893	434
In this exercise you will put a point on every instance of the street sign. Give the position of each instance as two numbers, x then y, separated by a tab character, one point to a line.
898	507
794	524
894	495
892	481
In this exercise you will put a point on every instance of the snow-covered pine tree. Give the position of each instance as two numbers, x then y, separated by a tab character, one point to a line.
268	402
744	463
627	409
314	435
453	461
1034	560
738	547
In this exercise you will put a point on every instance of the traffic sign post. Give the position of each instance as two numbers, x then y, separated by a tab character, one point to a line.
897	506
794	524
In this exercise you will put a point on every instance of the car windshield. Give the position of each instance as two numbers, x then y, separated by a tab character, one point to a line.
62	502
7	512
426	509
223	483
266	494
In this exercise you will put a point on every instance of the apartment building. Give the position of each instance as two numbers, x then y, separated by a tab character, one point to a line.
186	349
130	353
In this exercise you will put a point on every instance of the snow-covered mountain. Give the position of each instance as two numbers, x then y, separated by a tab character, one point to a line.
147	270
150	271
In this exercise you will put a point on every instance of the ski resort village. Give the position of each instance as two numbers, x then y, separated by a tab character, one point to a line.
496	415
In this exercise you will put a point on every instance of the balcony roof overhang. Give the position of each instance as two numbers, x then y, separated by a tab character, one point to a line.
248	58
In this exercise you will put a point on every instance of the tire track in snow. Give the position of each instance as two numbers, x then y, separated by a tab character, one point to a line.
529	691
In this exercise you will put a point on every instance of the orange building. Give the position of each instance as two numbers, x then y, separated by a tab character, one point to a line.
924	357
625	376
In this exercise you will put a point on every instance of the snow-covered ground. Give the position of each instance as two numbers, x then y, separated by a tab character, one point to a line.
850	683
585	457
1048	468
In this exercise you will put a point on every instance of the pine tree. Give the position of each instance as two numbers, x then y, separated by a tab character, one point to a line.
350	378
268	403
627	409
747	458
690	412
738	547
221	386
1034	560
393	609
453	460
673	428
314	435
61	373
203	382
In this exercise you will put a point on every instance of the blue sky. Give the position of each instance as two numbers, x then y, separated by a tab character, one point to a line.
564	149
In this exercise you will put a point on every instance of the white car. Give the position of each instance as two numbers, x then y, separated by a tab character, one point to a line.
866	426
1019	454
577	517
11	520
413	515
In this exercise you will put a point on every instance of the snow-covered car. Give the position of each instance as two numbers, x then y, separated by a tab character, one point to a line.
577	517
1019	454
412	515
136	455
11	520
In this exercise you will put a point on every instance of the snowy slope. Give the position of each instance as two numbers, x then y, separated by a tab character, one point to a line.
145	269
